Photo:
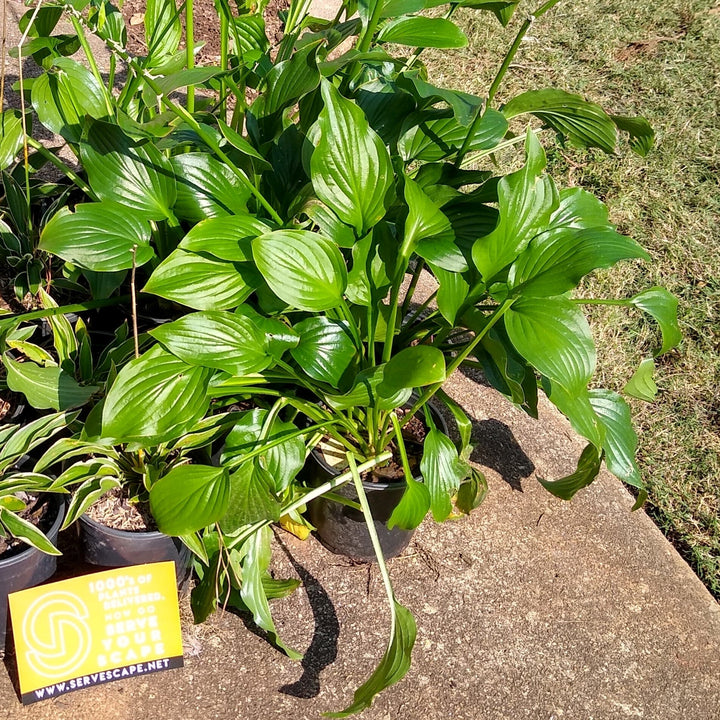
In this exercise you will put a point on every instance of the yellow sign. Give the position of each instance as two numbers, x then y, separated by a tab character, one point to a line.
96	628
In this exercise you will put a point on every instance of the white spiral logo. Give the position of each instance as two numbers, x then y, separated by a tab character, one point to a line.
55	630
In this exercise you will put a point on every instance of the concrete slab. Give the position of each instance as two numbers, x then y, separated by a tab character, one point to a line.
530	608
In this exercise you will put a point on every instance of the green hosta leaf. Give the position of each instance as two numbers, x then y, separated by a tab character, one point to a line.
412	367
182	78
96	480
642	385
587	470
282	461
201	282
304	269
46	387
120	170
464	106
472	492
433	135
452	293
64	96
393	666
365	393
226	238
576	406
502	9
419	31
442	471
579	209
17	440
189	498
241	144
412	508
662	307
98	236
11	136
326	350
163	30
584	123
27	532
254	569
558	259
207	188
252	497
620	438
278	336
526	201
155	398
350	167
218	340
553	335
249	33
424	220
642	136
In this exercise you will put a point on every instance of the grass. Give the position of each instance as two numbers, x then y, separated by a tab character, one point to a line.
661	60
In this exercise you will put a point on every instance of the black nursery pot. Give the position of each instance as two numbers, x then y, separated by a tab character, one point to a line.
111	548
30	567
342	529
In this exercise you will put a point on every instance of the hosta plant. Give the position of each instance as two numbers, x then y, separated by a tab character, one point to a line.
288	212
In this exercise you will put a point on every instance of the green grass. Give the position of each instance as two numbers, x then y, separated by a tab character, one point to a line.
661	60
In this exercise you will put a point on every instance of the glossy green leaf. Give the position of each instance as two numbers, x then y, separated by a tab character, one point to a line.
553	335
180	79
556	260
420	31
326	350
64	96
278	336
472	492
241	144
413	367
642	136
502	9
155	398
577	408
226	238
120	170
304	269
27	532
433	135
442	472
98	236
206	188
350	167
163	30
189	498
215	339
17	440
393	666
255	568
412	508
620	438
585	124
526	201
96	480
203	283
452	293
46	387
464	106
11	136
282	460
662	307
642	384
252	497
587	470
365	393
424	220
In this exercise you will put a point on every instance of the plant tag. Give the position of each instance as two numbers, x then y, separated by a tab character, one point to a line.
95	629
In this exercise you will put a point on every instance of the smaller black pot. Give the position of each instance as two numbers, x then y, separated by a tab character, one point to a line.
111	548
28	568
343	530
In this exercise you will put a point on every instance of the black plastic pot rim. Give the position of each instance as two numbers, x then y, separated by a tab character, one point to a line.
367	484
114	532
25	554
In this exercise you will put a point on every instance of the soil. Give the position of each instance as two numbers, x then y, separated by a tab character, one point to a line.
37	512
115	510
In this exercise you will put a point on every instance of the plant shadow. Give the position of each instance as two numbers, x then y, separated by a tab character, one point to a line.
323	646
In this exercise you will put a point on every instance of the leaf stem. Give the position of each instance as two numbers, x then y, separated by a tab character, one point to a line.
190	51
60	165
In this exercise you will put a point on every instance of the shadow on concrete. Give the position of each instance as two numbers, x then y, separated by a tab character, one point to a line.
495	447
323	646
